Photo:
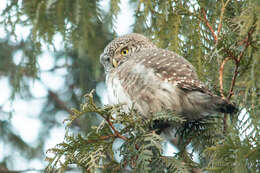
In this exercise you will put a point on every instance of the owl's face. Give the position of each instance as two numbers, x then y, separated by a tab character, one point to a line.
122	48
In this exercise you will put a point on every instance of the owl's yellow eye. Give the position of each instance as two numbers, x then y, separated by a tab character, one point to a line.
124	51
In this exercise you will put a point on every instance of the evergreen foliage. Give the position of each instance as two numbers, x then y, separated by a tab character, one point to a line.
219	37
142	149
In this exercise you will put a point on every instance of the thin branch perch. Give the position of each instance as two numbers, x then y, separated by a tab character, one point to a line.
221	15
246	42
237	59
209	26
117	134
221	70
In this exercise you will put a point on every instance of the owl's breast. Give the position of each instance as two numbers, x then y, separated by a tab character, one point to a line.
138	86
116	93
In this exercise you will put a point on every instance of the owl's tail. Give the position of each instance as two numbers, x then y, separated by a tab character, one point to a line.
224	106
200	104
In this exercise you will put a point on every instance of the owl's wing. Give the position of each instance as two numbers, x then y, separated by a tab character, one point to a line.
173	68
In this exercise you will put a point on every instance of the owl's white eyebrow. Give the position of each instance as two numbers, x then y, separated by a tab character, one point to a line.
125	47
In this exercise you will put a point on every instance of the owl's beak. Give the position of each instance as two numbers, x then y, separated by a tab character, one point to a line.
114	62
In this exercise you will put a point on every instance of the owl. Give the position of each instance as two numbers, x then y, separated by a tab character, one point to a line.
151	79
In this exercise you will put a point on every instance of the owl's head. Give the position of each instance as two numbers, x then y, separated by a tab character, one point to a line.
121	49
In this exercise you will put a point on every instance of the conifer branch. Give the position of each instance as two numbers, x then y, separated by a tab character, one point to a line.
209	26
116	133
246	42
221	15
100	138
107	117
215	36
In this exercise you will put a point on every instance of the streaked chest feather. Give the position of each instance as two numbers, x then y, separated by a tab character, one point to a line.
116	93
140	85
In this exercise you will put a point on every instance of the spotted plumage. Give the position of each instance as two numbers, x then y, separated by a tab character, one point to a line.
153	79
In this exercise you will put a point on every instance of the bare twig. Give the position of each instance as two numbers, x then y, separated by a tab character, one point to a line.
221	15
116	133
196	170
219	27
221	70
100	138
209	26
237	59
230	93
215	36
246	43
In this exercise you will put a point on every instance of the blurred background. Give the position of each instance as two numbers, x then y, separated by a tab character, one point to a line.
42	78
49	59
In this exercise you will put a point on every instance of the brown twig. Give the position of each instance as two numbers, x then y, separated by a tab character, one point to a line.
230	54
219	27
247	42
231	87
63	106
116	133
221	15
196	170
100	138
215	36
237	59
209	26
230	93
221	70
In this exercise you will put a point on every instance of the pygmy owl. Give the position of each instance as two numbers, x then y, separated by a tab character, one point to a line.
153	79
